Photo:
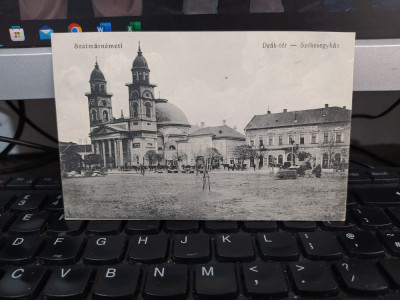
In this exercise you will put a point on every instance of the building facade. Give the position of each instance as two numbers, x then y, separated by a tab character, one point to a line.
323	134
153	123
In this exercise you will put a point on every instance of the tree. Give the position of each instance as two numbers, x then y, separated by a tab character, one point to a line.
332	147
71	160
302	155
151	156
92	159
212	155
179	156
243	152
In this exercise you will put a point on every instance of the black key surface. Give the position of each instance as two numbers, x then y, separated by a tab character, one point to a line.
60	226
391	239
167	282
55	203
371	218
22	282
62	250
259	226
264	280
234	247
191	248
215	281
358	177
379	196
338	225
104	249
48	183
21	183
142	227
20	250
6	198
392	269
30	202
220	226
5	220
68	282
361	244
3	182
29	223
361	276
278	246
104	227
182	226
320	245
116	282
300	225
384	176
313	278
394	212
148	249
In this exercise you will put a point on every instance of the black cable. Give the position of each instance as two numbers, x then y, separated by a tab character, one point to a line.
357	162
20	128
27	144
27	120
373	155
388	110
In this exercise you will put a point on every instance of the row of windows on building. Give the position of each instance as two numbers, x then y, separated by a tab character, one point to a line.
95	117
292	139
135	109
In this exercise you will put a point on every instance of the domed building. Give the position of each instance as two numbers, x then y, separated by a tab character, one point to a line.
153	124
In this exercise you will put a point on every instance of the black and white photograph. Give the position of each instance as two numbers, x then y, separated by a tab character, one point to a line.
204	125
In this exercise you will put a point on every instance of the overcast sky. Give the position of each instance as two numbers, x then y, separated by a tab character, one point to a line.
210	76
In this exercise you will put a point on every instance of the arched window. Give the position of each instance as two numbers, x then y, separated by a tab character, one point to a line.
97	88
148	109
159	148
102	88
105	115
280	159
337	157
94	115
325	159
135	109
172	147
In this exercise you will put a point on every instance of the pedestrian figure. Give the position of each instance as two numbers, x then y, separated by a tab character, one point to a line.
206	177
254	167
142	170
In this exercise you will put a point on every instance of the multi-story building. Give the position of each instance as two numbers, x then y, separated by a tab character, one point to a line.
323	133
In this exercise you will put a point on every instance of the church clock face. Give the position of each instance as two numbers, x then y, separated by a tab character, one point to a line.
147	95
92	102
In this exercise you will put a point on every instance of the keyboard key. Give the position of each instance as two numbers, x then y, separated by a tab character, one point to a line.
191	248
29	223
391	239
62	250
379	196
361	244
68	282
392	269
48	183
215	281
6	198
338	225
313	279
234	247
104	227
300	226
116	282
320	245
384	176
371	218
358	177
22	282
260	226
20	250
142	227
182	226
30	202
278	246
166	281
220	226
3	182
394	212
60	226
55	203
148	249
351	200
5	220
361	277
264	280
21	183
104	250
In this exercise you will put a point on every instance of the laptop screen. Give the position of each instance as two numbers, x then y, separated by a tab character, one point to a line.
30	23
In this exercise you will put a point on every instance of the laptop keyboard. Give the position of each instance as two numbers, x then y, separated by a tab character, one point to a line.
44	256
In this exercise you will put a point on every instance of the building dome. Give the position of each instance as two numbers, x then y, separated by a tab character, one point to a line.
170	114
97	74
140	62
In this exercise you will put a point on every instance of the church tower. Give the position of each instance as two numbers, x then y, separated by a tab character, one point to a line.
142	108
100	108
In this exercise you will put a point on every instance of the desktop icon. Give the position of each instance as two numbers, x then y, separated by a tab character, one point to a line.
134	26
45	32
17	34
74	28
104	27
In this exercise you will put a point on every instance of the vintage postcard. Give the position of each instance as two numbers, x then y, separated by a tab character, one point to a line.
204	125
